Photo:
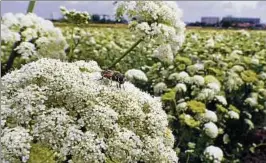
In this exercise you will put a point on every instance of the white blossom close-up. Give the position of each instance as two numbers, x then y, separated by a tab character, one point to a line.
72	111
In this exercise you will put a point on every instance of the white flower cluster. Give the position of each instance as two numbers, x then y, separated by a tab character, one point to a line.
252	101
221	99
219	37
209	116
244	33
226	139
8	35
214	154
74	16
211	129
136	75
233	114
37	36
182	106
233	81
180	87
159	88
15	143
210	43
182	77
194	37
206	94
164	53
69	108
159	20
198	80
26	49
203	90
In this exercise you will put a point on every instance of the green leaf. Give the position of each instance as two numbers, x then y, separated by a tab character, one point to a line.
169	96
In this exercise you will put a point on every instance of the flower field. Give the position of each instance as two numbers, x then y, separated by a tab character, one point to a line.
175	95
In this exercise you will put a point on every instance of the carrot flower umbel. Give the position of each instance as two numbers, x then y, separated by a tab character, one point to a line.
156	21
81	118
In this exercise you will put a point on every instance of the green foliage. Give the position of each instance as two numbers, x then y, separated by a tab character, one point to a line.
249	76
236	64
233	108
39	153
221	109
169	96
105	46
196	106
183	60
211	79
188	120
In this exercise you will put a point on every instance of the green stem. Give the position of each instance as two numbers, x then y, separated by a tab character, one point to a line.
262	144
72	43
174	101
187	158
180	139
31	6
126	53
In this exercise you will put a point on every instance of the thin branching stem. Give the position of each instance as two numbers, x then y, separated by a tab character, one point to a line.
187	161
126	53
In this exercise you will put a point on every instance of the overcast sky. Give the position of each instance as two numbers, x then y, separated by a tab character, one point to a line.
193	10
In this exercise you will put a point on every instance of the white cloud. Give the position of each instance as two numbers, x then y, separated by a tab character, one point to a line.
238	6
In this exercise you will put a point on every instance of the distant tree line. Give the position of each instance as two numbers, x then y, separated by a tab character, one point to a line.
103	19
227	24
96	18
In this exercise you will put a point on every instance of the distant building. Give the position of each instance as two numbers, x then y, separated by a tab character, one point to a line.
210	20
241	20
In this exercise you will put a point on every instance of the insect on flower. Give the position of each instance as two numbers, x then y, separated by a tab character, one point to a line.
114	76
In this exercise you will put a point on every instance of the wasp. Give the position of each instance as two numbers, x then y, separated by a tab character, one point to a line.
114	76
